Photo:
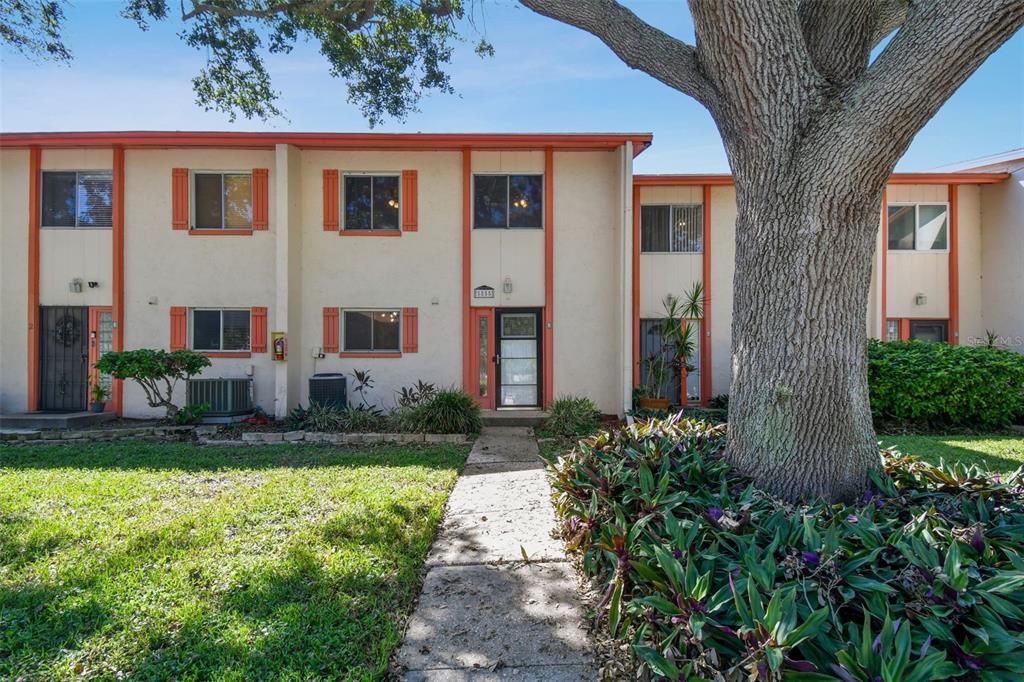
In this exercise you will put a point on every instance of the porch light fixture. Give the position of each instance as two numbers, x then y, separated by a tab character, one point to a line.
506	286
920	299
75	285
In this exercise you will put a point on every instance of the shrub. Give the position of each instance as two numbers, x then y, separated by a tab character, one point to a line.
938	383
450	411
571	416
191	414
363	420
707	577
156	371
322	417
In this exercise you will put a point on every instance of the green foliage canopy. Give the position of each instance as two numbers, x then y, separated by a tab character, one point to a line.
389	52
156	371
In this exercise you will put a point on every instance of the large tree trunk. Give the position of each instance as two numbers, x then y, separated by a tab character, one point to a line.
799	420
813	127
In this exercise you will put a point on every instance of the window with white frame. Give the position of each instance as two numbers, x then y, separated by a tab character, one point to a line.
371	202
676	228
77	199
371	331
220	330
508	201
918	227
222	200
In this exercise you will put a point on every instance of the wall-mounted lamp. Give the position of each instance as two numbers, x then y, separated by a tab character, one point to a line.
75	286
506	286
920	299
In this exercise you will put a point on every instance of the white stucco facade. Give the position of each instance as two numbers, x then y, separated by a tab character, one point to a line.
578	271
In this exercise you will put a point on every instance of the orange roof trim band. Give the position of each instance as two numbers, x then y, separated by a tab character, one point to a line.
964	178
453	141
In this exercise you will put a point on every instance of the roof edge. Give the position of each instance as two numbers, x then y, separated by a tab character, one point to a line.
267	140
688	180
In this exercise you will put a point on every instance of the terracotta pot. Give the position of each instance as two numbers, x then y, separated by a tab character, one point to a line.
654	403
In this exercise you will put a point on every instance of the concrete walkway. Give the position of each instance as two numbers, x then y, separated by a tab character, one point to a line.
484	613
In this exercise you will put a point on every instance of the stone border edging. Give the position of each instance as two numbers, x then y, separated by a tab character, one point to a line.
203	434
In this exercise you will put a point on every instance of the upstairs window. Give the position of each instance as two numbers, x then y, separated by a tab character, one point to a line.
371	202
672	229
508	201
77	199
223	201
220	330
918	227
372	331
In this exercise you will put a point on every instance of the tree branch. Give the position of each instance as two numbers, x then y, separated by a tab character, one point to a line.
637	43
941	43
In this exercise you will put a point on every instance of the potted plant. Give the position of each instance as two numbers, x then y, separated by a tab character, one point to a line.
678	344
98	395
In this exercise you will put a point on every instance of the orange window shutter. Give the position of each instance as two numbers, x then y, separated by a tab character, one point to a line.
179	327
332	197
410	201
260	201
410	330
332	330
258	330
179	198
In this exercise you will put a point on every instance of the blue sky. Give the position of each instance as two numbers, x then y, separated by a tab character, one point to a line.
544	77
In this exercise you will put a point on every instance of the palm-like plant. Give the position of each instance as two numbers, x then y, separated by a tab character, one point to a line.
678	339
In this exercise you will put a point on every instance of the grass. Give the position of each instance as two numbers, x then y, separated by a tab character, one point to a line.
168	561
997	453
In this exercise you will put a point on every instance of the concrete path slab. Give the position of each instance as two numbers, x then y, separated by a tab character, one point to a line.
484	615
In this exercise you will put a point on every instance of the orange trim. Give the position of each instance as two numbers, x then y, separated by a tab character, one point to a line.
636	286
683	180
332	197
260	199
954	266
332	327
885	264
486	402
549	276
705	323
179	327
410	330
179	199
226	354
221	233
370	233
467	332
496	141
366	355
410	201
117	276
35	157
258	329
94	352
904	329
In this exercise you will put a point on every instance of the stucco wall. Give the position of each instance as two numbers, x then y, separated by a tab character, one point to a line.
723	258
910	273
13	279
1002	257
972	323
420	269
588	289
165	267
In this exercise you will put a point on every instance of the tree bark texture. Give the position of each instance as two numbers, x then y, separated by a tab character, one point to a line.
812	129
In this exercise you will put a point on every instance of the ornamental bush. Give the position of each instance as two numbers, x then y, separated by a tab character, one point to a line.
937	384
707	577
572	415
156	371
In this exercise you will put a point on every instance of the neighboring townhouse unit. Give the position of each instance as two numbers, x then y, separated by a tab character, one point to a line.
519	267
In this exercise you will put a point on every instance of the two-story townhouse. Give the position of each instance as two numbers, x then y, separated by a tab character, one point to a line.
519	267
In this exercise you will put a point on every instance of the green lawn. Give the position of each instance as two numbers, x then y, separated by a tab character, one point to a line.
997	453
168	561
